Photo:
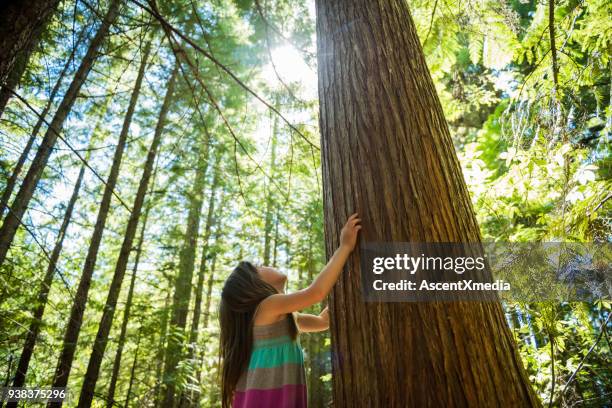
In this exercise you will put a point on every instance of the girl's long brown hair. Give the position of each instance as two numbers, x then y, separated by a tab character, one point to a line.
242	292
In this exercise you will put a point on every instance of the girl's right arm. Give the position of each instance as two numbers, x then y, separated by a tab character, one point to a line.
280	304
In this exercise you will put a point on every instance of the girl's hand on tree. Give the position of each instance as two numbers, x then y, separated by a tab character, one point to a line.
348	235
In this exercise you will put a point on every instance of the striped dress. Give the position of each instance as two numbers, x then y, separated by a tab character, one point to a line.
275	376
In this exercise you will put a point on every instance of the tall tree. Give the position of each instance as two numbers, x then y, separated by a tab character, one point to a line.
213	258
182	290
387	153
110	396
199	289
20	204
21	24
270	203
43	291
12	180
133	369
73	327
159	355
106	322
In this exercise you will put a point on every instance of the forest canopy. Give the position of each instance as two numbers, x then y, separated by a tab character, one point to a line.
146	147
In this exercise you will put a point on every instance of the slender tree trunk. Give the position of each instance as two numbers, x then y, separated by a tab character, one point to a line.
197	310
106	322
387	154
161	348
21	25
133	370
276	237
73	327
43	292
110	399
553	47
11	182
182	291
20	204
209	285
269	220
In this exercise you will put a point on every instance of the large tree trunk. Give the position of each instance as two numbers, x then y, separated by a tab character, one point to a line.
95	360
43	291
110	397
20	204
387	153
21	24
12	180
73	327
182	290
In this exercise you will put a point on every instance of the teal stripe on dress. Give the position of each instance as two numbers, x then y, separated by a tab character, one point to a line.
273	342
289	353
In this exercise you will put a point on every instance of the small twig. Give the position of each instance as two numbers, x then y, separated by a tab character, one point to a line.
433	13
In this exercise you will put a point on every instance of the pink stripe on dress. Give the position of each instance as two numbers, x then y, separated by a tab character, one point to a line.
289	396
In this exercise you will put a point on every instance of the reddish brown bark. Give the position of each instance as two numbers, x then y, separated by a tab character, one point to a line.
387	153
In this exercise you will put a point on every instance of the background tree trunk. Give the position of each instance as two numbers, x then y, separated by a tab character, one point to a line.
269	216
20	204
157	392
197	309
43	292
12	180
182	291
133	370
80	302
95	360
387	153
110	398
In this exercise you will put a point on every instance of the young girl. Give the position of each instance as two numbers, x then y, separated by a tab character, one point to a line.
263	364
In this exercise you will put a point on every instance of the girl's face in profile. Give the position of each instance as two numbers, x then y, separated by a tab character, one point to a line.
273	277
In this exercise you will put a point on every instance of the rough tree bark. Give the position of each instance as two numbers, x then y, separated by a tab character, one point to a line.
182	291
387	154
77	310
21	25
23	197
97	353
